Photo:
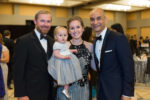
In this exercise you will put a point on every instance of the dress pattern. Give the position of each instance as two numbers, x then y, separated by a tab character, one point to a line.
79	90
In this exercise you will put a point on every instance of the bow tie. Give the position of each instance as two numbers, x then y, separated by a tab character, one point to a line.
99	38
43	37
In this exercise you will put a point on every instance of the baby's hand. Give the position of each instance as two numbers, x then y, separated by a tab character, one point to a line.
67	57
75	51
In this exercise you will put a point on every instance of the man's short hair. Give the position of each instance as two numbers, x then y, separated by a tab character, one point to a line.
41	12
6	33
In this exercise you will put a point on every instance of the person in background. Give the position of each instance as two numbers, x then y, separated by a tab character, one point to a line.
146	39
114	61
132	45
2	88
10	45
32	51
135	42
3	62
141	40
117	28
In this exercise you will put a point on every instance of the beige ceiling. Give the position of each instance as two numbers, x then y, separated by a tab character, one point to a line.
87	4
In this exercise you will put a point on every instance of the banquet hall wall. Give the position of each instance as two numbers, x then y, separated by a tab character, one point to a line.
18	15
21	15
138	23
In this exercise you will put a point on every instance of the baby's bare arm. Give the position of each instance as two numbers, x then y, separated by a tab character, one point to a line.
59	56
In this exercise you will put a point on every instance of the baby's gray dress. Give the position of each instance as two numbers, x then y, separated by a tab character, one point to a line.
65	71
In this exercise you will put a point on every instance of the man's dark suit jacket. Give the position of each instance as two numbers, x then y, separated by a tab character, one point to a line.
31	77
116	72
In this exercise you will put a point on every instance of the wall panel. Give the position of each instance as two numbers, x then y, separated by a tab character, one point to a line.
132	31
109	15
30	10
84	13
61	12
131	16
145	14
145	31
6	9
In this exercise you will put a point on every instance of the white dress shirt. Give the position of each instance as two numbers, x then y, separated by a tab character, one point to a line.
42	41
99	44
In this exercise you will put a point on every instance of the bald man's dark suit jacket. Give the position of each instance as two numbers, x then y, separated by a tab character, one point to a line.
116	72
31	77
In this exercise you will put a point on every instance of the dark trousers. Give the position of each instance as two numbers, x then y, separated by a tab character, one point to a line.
10	75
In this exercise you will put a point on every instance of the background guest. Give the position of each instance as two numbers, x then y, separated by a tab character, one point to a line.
3	62
2	88
10	45
146	40
140	44
133	44
117	28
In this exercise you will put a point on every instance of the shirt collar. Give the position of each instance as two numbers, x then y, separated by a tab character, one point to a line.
37	33
103	33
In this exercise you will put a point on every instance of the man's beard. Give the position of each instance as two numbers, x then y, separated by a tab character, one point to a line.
45	32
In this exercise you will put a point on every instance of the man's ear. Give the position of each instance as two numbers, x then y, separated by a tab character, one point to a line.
34	21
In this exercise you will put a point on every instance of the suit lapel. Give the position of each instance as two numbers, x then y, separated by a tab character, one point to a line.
104	45
95	58
38	44
49	47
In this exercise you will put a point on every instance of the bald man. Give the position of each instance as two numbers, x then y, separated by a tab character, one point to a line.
113	60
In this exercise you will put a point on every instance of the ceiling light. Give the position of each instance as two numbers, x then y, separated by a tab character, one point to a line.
58	2
118	7
139	3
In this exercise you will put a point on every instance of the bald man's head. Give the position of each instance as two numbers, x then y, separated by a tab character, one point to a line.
97	20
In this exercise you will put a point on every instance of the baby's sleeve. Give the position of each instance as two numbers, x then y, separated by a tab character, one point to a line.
57	46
